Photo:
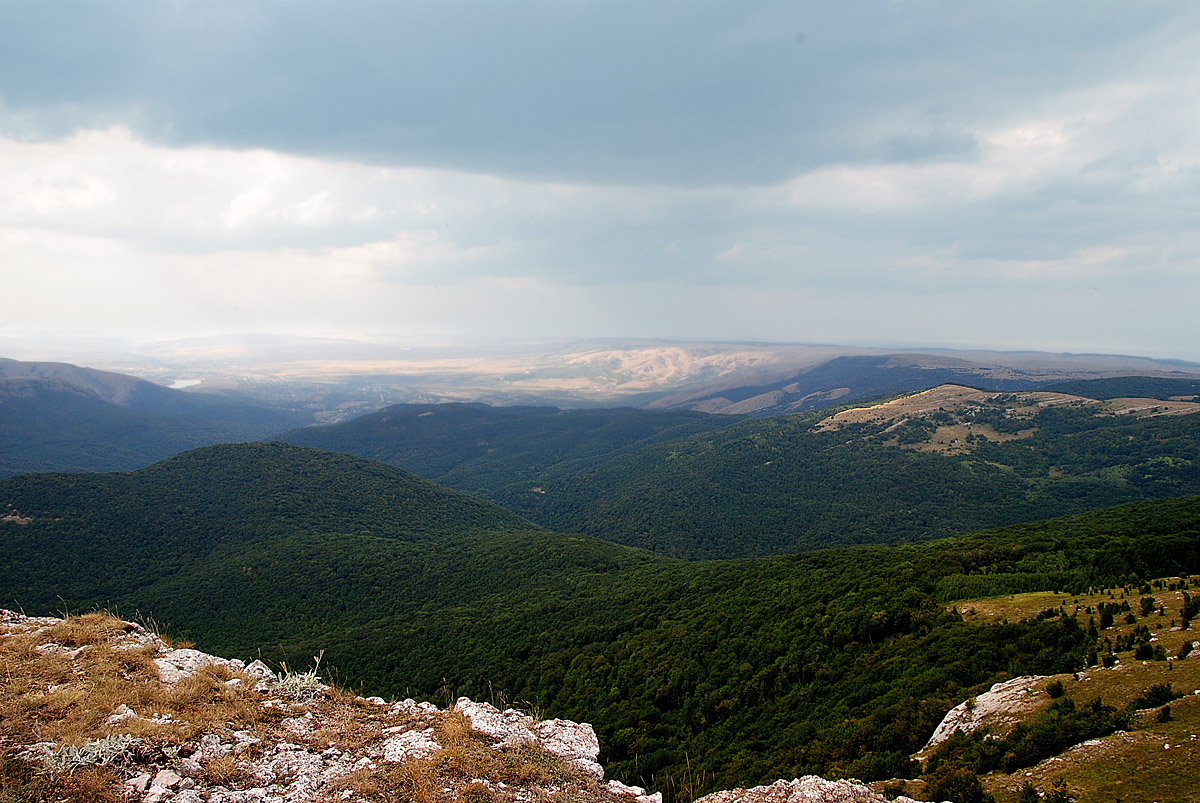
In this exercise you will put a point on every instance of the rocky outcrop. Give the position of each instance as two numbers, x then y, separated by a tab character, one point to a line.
576	742
1002	706
809	789
206	729
308	743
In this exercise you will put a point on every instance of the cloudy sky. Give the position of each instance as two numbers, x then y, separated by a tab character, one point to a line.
996	174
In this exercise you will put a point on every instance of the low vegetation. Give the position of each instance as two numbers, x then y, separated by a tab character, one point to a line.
1102	730
59	740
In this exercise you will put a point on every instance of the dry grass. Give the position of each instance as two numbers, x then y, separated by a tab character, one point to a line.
469	768
957	401
67	700
20	782
226	771
1125	767
66	697
1146	408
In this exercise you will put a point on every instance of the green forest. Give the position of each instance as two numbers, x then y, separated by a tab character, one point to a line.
707	487
697	675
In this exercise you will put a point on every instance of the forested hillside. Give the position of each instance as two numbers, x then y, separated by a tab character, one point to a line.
480	448
784	484
697	486
46	425
1150	387
734	672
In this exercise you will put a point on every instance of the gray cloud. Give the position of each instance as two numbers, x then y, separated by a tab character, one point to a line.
798	171
691	93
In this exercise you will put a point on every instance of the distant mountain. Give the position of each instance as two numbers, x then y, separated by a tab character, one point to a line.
925	466
62	417
415	589
945	464
46	425
850	378
481	448
845	379
1144	387
138	394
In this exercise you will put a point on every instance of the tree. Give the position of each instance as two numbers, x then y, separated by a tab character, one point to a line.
956	784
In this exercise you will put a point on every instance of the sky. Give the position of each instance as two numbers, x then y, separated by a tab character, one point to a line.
985	174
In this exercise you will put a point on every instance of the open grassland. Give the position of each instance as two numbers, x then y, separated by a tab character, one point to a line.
950	418
1156	760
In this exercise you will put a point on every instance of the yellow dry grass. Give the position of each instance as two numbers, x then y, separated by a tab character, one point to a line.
1125	767
1145	408
50	695
957	401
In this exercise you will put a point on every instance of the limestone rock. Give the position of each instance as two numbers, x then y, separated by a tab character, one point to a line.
1004	704
574	741
261	673
636	792
210	748
120	714
508	728
139	783
809	789
410	744
166	779
179	664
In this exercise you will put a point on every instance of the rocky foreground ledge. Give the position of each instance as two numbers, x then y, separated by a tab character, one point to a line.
93	708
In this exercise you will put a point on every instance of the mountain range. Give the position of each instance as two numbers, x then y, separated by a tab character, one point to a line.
948	463
728	598
62	417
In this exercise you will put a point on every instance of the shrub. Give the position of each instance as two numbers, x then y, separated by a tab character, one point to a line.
93	753
301	686
956	784
1156	695
1029	794
879	766
1059	792
1055	689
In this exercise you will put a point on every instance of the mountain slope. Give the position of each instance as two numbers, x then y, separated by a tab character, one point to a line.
1151	387
137	394
481	448
849	378
61	417
789	483
744	670
845	379
47	425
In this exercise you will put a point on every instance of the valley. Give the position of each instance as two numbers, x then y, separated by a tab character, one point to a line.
728	599
414	590
782	484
